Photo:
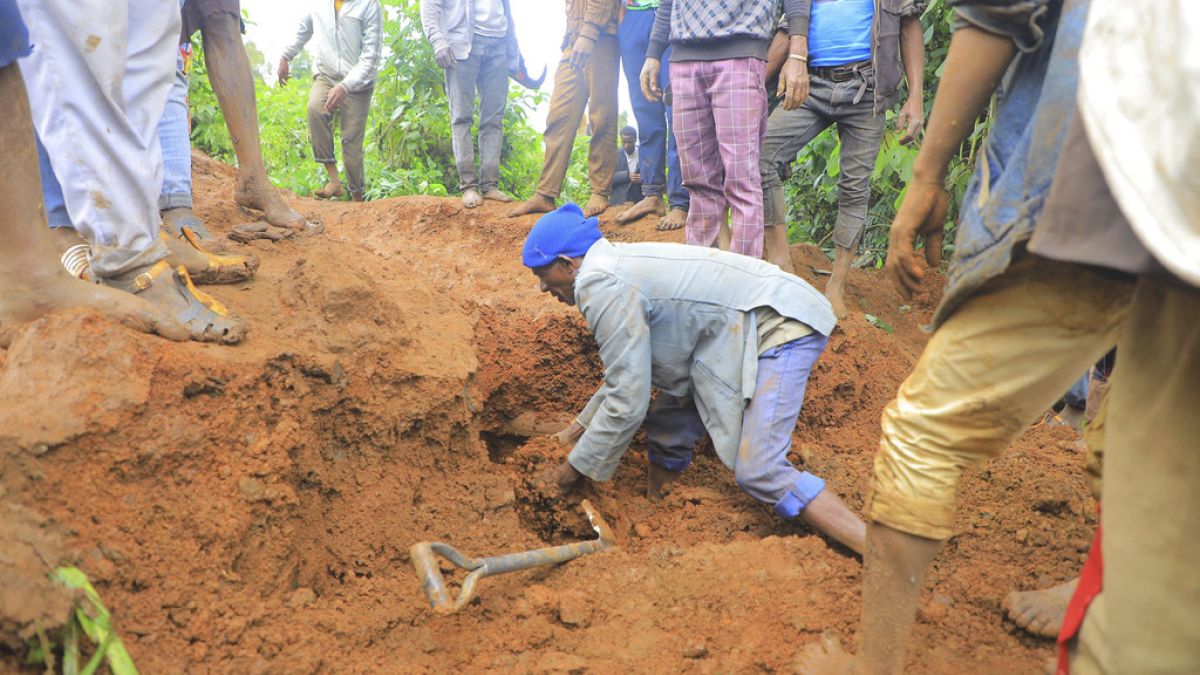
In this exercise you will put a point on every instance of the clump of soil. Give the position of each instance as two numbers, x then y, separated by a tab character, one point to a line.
251	509
29	602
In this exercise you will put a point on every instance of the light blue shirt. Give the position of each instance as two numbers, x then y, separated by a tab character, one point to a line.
679	318
839	32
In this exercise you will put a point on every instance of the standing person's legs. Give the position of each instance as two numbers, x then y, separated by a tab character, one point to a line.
354	111
788	131
634	36
677	197
763	470
34	283
861	132
493	99
175	201
1144	620
699	157
228	67
567	101
739	103
673	428
461	81
603	81
320	134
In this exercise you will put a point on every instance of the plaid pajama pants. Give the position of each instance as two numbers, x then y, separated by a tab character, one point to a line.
720	120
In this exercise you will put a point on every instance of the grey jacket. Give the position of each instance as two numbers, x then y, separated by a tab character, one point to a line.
678	318
885	41
451	23
349	44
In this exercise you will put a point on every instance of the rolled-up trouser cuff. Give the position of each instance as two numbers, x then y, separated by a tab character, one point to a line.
918	517
110	261
848	231
673	464
798	498
174	201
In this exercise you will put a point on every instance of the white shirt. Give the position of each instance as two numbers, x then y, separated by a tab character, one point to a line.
489	18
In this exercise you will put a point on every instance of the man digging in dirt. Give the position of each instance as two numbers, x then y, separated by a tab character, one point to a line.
34	283
728	340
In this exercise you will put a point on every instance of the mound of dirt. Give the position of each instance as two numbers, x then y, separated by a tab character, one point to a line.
251	509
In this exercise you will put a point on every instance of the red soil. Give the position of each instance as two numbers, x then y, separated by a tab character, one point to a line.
250	509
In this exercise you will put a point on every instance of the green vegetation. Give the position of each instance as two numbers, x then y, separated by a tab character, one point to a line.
91	618
409	152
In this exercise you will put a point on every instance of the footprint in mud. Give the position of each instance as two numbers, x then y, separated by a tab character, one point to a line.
539	506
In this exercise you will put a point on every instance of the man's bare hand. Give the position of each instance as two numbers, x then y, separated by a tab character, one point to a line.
445	58
336	96
911	120
581	53
569	435
566	478
793	84
649	80
923	213
635	178
284	71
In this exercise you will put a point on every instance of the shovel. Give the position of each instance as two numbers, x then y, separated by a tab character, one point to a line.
434	584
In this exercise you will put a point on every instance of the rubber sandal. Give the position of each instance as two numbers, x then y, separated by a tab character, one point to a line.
218	269
205	317
248	232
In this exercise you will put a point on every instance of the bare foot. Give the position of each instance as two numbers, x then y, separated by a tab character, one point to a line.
471	198
535	204
275	210
659	481
643	208
332	190
1040	612
30	297
208	268
676	218
497	196
826	657
595	206
836	295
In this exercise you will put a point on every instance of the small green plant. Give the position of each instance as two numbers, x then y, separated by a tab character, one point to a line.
91	618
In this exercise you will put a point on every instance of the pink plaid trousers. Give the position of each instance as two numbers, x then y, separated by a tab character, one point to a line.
720	119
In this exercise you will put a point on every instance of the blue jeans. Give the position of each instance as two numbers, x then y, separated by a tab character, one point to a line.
656	141
673	427
176	145
52	195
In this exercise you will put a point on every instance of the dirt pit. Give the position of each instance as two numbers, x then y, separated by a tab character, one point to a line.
250	509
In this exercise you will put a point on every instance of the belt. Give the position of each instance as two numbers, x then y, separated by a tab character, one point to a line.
842	73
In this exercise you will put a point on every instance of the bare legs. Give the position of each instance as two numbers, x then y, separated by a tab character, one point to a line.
777	248
835	289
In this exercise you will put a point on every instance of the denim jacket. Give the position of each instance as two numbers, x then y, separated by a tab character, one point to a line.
679	318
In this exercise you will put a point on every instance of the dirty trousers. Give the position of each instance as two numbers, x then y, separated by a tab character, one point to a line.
596	89
353	111
762	470
1144	619
98	80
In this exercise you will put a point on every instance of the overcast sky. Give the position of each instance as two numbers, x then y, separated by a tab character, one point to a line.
540	28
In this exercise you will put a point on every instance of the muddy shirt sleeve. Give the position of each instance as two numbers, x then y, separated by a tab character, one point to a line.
618	317
1019	20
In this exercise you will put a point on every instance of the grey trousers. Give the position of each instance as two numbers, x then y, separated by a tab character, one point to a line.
485	69
860	131
353	111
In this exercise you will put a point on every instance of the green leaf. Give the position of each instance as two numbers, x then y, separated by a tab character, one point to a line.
879	323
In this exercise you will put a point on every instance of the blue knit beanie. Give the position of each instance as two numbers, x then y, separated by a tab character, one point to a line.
563	231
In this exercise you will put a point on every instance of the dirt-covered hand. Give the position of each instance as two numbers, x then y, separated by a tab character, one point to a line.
444	57
911	120
569	435
923	213
566	478
581	52
649	80
793	84
335	97
284	71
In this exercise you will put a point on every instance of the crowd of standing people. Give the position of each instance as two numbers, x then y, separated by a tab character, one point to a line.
1078	234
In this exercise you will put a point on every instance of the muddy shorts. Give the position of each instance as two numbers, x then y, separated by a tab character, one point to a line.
14	38
196	11
990	370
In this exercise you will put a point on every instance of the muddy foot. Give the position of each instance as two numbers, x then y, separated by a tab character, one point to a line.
648	206
31	297
171	291
275	210
497	196
471	198
837	298
205	267
659	481
826	657
535	204
1040	612
675	219
332	190
595	206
